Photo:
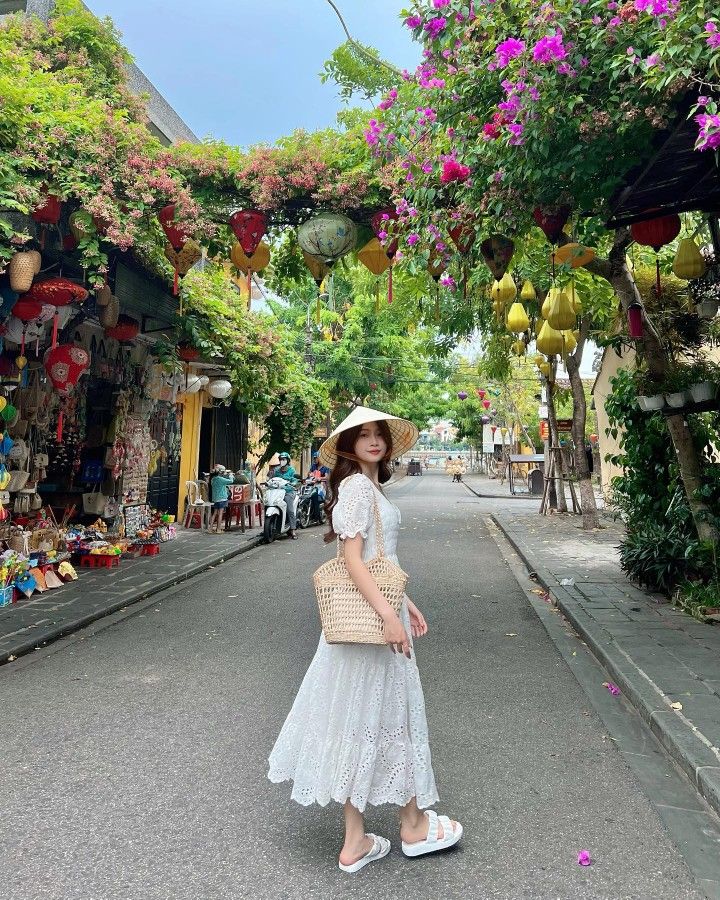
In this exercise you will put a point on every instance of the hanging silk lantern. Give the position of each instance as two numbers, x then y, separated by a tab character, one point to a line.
462	395
27	310
380	222
481	394
486	404
545	368
549	341
551	221
635	320
493	429
48	213
528	292
125	330
22	268
328	236
517	319
249	227
575	255
689	262
182	261
570	342
497	251
317	267
436	266
548	302
538	359
220	388
255	263
485	420
573	297
504	291
561	315
64	365
374	257
174	233
656	233
518	348
56	292
462	235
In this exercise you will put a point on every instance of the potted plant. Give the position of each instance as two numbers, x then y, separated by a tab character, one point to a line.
647	401
676	386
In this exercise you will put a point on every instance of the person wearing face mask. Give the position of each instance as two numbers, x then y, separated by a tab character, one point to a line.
286	471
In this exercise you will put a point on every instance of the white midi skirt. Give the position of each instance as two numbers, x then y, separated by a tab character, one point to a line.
357	730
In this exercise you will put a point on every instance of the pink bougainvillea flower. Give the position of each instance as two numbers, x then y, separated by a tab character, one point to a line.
709	132
435	27
392	95
549	48
584	858
713	39
413	21
613	688
412	239
448	281
452	170
508	50
438	4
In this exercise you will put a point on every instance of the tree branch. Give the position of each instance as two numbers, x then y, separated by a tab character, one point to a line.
359	47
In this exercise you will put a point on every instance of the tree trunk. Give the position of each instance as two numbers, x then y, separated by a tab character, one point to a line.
555	443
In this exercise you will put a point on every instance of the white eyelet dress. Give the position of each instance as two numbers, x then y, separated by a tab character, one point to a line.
357	729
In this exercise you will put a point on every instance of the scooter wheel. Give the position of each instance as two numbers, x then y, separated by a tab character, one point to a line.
270	529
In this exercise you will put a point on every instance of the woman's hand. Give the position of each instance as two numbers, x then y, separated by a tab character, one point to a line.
418	625
395	635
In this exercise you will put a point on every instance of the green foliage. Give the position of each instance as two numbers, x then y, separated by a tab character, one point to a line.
351	67
660	555
695	596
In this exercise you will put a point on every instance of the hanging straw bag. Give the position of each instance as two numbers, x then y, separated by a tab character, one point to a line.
109	314
94	502
345	615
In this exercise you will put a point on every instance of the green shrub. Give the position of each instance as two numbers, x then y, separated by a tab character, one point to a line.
660	555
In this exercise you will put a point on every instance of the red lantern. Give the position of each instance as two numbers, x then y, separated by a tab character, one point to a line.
57	292
175	235
379	222
27	310
656	233
551	221
188	353
493	429
127	329
48	213
64	365
481	394
635	317
249	226
486	404
463	235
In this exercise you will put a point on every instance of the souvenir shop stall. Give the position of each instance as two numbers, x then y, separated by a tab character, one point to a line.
88	417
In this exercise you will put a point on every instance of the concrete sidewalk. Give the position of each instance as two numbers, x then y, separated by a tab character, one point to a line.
665	662
30	624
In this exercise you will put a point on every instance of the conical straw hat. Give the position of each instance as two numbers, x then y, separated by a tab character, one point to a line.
404	433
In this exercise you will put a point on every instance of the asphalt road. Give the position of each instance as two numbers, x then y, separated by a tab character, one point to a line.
133	758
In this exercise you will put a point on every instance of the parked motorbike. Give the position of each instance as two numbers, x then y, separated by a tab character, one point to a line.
275	507
310	508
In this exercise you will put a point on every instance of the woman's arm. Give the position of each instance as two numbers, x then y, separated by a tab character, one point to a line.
395	634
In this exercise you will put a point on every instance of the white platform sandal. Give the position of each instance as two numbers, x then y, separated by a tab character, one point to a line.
431	844
380	848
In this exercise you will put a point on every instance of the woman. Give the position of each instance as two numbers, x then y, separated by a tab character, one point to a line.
357	732
219	484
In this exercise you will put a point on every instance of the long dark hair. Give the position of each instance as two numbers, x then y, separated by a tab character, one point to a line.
344	467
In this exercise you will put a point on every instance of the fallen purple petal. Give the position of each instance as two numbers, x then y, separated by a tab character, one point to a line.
584	858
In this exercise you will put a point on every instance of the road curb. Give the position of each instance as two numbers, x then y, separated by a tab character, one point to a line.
26	645
689	751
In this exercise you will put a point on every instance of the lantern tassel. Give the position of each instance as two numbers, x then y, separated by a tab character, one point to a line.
56	322
22	343
390	286
377	295
437	303
317	310
25	379
176	282
249	286
59	435
464	282
657	271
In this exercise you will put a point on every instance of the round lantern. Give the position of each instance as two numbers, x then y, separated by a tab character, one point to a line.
204	380
64	365
187	353
220	389
656	233
127	329
549	341
48	213
462	395
254	263
517	319
528	292
327	236
551	221
22	268
27	310
248	226
518	348
374	257
57	292
689	262
175	235
497	251
190	384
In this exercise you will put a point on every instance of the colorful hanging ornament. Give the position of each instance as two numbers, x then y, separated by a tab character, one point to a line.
328	237
436	266
689	263
57	292
656	233
249	227
462	234
317	267
517	319
504	291
549	341
497	251
481	394
561	315
486	404
551	220
528	293
182	261
376	260
635	320
380	222
256	262
462	395
47	214
575	255
64	365
175	234
125	331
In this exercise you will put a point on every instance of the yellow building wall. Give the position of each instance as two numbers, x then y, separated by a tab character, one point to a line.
189	444
611	365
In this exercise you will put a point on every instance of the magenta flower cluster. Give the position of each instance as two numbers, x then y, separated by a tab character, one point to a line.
549	48
713	39
452	170
507	50
435	27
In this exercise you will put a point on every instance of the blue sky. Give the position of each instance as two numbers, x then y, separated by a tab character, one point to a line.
248	71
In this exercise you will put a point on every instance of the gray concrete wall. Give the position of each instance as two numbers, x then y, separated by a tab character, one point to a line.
165	123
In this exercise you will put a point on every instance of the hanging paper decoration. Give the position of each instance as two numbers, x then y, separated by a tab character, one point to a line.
462	234
380	222
517	319
255	263
126	329
64	365
182	261
552	221
549	341
462	395
317	267
174	233
689	262
249	227
656	233
576	255
497	251
561	315
493	429
528	292
220	388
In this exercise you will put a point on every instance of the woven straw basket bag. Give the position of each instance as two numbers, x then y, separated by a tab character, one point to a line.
345	615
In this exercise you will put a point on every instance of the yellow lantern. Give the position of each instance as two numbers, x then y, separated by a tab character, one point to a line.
528	292
505	290
517	319
317	267
549	341
689	262
3	403
538	359
21	362
570	342
561	315
574	297
545	369
255	263
547	302
518	348
576	255
374	257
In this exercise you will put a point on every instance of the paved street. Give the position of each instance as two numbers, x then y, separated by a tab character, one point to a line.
134	756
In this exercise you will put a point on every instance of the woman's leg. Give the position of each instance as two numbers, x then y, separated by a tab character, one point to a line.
357	843
221	519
